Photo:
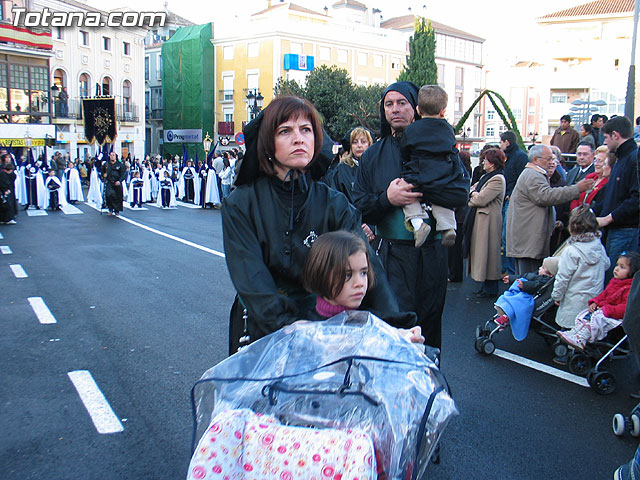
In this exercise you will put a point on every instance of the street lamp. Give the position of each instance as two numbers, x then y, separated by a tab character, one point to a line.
28	140
465	133
254	98
206	143
533	136
55	91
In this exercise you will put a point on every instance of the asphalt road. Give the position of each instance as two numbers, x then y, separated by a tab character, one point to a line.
142	305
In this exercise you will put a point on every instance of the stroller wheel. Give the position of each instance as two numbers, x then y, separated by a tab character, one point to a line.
602	382
488	347
618	424
579	364
478	344
635	425
560	349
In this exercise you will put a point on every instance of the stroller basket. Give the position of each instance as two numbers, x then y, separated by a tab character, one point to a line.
349	372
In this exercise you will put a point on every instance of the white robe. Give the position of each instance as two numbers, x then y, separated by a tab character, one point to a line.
172	201
75	185
95	188
19	185
196	184
212	195
43	194
62	194
146	187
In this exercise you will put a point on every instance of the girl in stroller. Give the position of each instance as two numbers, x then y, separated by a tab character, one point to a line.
338	271
606	310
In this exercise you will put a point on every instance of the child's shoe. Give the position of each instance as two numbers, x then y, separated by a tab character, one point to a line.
575	337
420	235
448	237
502	320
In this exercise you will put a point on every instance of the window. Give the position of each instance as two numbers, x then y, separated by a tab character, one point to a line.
156	98
362	58
227	52
490	132
83	38
491	114
377	61
126	48
146	67
59	31
158	67
558	98
253	49
227	83
459	77
324	53
106	44
458	102
228	116
532	110
362	81
83	90
440	74
342	55
106	87
517	113
126	96
395	63
296	48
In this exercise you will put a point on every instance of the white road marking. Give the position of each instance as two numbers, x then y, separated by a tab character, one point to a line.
173	237
129	207
6	250
95	207
1	236
94	401
42	311
69	209
570	377
36	213
18	271
188	205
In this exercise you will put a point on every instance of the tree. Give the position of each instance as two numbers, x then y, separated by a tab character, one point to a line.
421	66
341	104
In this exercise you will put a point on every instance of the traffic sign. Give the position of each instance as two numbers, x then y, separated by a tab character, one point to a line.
240	138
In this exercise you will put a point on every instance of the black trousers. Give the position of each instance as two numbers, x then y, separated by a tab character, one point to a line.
418	278
166	197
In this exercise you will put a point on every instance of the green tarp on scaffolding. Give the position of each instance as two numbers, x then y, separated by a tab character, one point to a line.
187	84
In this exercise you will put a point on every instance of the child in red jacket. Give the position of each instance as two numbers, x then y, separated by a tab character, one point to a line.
605	311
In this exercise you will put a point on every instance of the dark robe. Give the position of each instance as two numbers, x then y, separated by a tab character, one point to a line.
8	206
113	193
342	178
136	189
267	235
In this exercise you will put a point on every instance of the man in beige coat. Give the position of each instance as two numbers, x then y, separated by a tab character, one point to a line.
531	215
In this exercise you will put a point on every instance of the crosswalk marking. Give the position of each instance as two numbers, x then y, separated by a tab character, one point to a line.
101	413
6	250
36	213
188	205
42	311
18	271
69	209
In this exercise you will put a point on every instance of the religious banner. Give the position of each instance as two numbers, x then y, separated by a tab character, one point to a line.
99	119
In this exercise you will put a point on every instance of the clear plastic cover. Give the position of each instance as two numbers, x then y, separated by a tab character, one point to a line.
350	371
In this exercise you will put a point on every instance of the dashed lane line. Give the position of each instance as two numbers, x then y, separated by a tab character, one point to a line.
36	213
1	236
6	250
18	271
188	205
541	367
69	209
42	311
172	237
101	413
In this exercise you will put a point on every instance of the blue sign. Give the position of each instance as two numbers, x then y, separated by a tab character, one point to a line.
293	61
240	138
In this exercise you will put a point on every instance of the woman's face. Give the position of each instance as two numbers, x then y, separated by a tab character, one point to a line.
359	145
552	166
606	169
598	163
487	166
583	132
294	145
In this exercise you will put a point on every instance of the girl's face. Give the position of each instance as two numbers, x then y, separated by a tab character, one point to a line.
356	283
622	268
359	145
294	145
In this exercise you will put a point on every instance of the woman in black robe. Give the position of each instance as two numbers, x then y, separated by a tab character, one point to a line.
276	211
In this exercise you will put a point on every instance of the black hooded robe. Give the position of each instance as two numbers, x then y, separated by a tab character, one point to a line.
418	276
113	193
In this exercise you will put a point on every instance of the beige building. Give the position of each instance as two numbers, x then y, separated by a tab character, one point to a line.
287	41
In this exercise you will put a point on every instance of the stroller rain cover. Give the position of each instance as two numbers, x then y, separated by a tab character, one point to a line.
352	371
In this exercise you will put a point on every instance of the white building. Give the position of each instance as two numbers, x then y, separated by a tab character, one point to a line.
106	61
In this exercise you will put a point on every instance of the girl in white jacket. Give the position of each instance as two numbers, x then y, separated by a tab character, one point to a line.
581	268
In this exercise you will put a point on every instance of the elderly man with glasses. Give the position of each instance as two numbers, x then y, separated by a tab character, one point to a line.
531	214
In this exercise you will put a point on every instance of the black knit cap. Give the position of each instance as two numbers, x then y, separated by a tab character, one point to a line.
410	92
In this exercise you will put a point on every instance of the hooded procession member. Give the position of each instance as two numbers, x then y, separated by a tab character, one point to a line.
72	184
418	276
114	174
276	211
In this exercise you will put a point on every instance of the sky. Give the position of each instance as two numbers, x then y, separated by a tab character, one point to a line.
508	26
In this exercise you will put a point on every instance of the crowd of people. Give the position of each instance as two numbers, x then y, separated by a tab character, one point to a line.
53	182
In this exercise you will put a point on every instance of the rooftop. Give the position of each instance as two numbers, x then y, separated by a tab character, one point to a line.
287	6
406	22
593	9
350	3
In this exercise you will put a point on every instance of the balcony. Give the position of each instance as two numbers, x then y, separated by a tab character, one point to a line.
225	95
71	110
127	112
225	128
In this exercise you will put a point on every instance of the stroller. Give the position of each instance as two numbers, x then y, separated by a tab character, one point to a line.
541	322
297	395
587	363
